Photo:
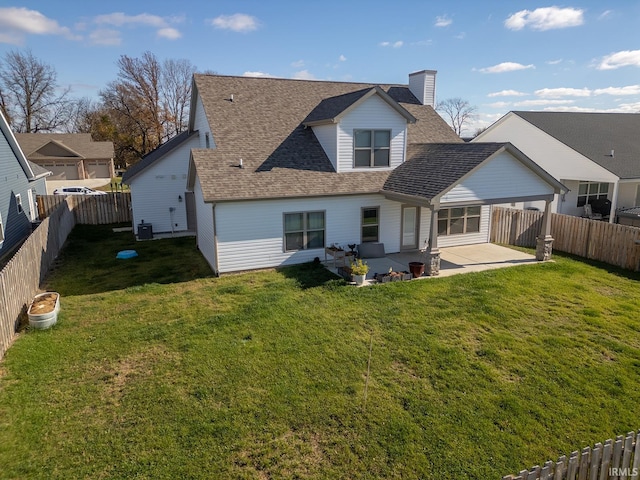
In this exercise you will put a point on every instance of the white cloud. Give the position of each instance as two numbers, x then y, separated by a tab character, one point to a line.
105	36
605	14
541	102
238	22
443	21
16	23
342	58
562	92
298	64
257	74
546	18
506	67
304	75
498	104
507	93
169	33
460	36
120	19
553	62
621	91
623	58
397	44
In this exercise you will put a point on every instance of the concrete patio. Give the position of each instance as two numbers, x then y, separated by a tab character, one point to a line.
453	260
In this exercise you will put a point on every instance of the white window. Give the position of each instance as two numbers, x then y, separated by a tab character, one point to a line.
589	191
371	148
458	221
304	230
370	224
19	203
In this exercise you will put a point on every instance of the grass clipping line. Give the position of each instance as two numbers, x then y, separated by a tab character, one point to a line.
366	380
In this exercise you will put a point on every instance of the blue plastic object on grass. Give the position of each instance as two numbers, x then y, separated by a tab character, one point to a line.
127	254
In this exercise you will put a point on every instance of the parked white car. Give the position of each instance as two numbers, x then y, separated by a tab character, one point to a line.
77	191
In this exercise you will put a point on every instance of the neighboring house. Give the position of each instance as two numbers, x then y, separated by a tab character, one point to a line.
158	186
20	182
285	168
69	156
596	155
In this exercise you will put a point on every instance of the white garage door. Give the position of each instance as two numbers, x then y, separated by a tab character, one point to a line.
62	171
97	169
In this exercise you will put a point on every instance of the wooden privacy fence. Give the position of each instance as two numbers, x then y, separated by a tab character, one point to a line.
90	209
611	243
617	459
21	277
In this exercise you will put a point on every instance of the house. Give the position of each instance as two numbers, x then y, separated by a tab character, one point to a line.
69	156
158	186
284	168
20	182
596	155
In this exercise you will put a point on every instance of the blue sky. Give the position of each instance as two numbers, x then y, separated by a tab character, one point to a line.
499	55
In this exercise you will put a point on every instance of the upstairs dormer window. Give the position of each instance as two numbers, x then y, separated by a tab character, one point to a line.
371	148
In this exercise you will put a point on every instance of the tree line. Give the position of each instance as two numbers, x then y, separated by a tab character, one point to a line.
147	104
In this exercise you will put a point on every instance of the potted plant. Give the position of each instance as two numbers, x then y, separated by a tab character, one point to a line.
359	270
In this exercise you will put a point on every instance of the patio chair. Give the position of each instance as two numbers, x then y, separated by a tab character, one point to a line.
588	213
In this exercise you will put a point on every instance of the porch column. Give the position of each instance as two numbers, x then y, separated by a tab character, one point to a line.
432	263
544	244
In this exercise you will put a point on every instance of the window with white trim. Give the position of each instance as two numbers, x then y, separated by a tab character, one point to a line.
371	148
458	221
19	203
589	191
304	230
370	224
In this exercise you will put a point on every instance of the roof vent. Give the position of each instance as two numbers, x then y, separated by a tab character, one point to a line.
613	153
231	98
240	164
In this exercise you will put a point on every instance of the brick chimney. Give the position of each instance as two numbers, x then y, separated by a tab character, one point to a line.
423	85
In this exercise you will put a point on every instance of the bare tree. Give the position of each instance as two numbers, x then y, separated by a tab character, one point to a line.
30	96
147	103
176	93
457	112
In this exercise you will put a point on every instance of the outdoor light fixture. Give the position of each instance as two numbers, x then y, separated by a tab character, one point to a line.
180	198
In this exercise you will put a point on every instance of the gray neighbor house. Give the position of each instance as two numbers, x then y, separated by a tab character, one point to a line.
20	182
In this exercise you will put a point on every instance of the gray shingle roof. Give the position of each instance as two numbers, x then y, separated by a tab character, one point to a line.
78	142
594	135
432	168
38	171
157	154
263	125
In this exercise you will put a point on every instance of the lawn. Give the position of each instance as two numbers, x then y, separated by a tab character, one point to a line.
156	369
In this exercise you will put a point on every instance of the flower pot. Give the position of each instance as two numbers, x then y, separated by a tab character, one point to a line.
359	279
43	312
416	269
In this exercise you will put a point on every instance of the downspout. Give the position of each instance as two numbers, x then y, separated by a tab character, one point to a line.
216	260
614	202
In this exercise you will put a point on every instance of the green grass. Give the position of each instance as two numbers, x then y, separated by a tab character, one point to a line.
158	370
117	186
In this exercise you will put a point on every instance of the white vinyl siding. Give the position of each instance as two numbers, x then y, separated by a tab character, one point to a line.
201	124
501	177
629	194
374	114
551	154
204	216
250	234
327	135
159	188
